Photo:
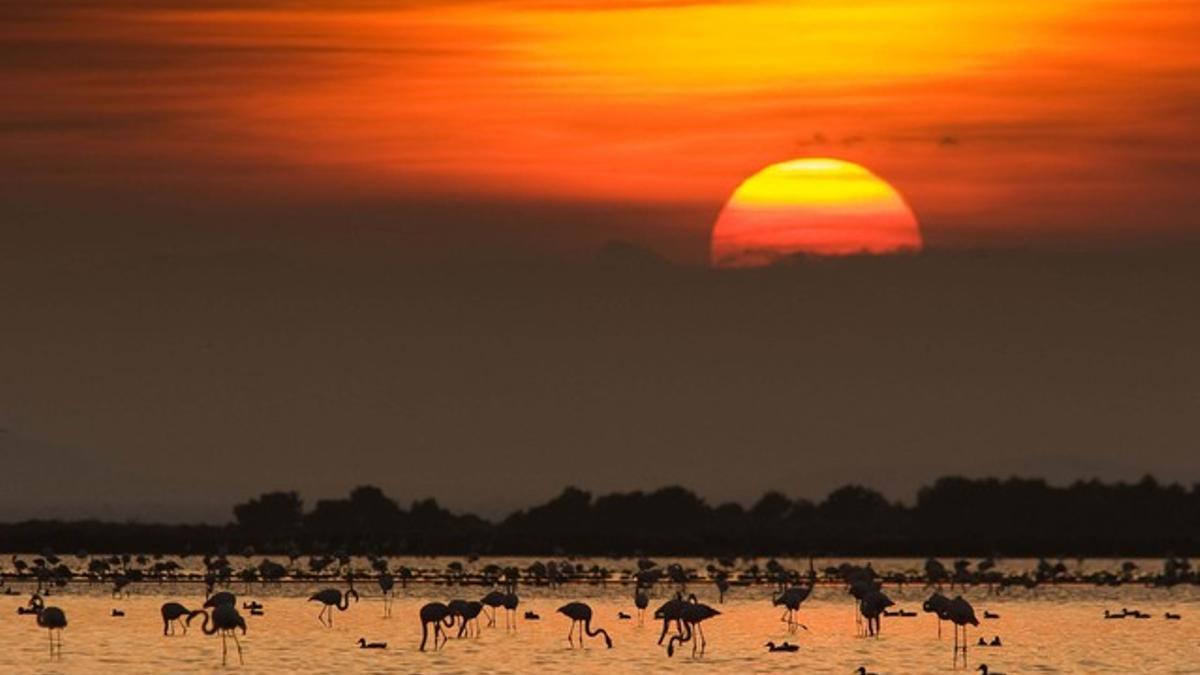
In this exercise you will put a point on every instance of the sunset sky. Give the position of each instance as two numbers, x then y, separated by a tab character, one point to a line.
239	238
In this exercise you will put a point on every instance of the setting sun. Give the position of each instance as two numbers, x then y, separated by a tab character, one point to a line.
817	206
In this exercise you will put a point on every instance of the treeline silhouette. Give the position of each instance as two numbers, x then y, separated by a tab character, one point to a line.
954	516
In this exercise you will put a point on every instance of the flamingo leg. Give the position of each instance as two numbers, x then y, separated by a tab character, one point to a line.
238	642
571	635
224	649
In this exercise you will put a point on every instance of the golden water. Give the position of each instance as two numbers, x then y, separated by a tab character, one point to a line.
1055	629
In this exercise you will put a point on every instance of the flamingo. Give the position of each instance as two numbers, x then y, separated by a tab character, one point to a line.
961	613
224	620
640	600
495	600
791	599
52	619
874	603
439	615
511	601
386	583
936	605
223	598
468	611
668	612
172	613
581	614
693	614
363	644
332	598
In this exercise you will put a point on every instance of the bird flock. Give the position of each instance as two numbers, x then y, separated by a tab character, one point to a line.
682	615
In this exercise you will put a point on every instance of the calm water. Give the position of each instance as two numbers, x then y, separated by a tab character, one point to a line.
1052	629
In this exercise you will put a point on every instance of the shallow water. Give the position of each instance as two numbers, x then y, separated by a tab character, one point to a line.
1054	629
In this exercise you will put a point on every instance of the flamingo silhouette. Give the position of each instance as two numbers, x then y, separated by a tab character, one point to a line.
641	600
468	611
671	611
224	619
936	605
494	600
223	598
511	601
961	614
581	614
872	605
386	583
172	613
332	599
439	615
693	615
791	599
52	619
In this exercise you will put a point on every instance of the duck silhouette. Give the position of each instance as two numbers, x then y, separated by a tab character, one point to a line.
363	644
785	647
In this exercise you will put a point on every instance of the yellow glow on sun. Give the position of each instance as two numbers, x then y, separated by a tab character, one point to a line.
817	206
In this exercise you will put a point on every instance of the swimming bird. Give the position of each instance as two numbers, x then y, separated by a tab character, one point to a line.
693	615
252	605
495	600
791	599
785	647
224	620
363	644
581	614
981	643
983	669
1110	615
52	619
172	613
622	616
531	616
332	599
990	615
1173	617
995	642
116	613
437	614
862	670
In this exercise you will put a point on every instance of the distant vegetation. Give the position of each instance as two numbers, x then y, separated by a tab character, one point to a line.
954	516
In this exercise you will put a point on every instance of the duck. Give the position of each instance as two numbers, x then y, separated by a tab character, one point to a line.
531	616
995	642
256	611
363	644
862	670
1173	617
1110	615
118	613
785	647
981	643
990	615
983	669
252	605
623	616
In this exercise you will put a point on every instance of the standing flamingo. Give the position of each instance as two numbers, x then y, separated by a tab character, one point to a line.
332	599
693	614
221	598
439	615
494	600
581	614
791	599
640	600
669	611
172	613
224	620
386	583
962	614
511	601
936	605
52	619
872	607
